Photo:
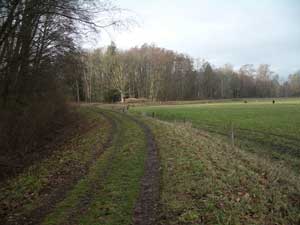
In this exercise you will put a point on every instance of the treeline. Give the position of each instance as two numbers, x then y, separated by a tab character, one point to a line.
157	74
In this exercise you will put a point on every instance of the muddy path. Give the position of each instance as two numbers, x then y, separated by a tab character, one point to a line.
146	208
50	198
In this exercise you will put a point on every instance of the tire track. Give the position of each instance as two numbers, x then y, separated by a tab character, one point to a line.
82	206
146	208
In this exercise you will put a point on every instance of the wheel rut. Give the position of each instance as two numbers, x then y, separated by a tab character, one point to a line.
83	204
146	208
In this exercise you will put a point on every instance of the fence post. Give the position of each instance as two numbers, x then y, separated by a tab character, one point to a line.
232	135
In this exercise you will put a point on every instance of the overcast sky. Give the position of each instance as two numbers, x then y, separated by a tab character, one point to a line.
221	31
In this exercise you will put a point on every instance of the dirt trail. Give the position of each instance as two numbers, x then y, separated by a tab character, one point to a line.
146	205
145	212
85	201
52	198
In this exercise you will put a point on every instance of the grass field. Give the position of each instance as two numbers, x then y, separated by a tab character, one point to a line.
258	126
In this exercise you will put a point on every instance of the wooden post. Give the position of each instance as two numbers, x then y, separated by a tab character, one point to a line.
232	134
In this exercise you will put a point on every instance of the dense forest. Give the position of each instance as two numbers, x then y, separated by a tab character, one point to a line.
42	67
157	74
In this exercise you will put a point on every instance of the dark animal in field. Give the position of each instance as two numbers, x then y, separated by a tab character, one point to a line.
273	101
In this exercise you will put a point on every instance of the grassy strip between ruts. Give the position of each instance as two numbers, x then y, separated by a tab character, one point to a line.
206	181
28	191
114	182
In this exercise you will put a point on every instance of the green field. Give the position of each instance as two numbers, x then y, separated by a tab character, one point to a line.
258	126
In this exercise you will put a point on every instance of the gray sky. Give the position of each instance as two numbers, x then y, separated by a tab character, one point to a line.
221	31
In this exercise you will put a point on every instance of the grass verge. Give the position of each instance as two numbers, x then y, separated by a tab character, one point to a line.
206	181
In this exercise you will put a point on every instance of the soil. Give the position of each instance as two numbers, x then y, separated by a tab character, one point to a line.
146	208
